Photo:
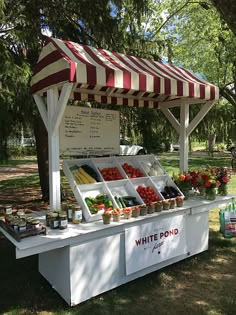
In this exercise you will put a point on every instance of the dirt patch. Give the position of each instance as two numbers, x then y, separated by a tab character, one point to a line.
24	197
18	171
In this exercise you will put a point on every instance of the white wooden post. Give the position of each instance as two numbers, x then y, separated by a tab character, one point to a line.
53	152
52	115
56	108
184	122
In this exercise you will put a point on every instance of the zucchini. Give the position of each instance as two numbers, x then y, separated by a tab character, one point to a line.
88	169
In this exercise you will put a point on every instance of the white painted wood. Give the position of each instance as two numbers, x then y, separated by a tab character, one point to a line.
84	232
197	226
61	106
53	150
184	122
200	115
174	122
42	108
177	101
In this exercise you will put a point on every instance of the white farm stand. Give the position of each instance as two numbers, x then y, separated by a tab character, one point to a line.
88	259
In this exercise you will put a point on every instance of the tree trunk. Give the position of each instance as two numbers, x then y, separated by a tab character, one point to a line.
211	143
41	137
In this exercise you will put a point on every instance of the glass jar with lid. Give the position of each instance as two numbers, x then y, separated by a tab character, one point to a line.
22	226
8	209
76	214
54	223
63	220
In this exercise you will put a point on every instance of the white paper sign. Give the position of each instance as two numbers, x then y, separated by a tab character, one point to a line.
152	243
89	131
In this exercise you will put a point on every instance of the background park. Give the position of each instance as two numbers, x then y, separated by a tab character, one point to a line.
197	35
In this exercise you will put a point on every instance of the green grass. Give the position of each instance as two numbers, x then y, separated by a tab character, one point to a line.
17	162
19	182
201	285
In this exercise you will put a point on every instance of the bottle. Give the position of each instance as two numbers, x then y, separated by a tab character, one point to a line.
69	212
76	214
63	220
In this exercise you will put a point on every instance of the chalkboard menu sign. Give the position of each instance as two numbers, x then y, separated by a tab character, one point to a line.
89	131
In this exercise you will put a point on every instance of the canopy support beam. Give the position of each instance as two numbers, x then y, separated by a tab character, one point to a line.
52	115
184	128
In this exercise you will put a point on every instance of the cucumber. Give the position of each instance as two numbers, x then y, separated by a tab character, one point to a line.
122	202
129	198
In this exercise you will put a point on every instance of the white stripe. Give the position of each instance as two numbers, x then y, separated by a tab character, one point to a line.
185	89
47	50
207	92
52	68
173	87
100	70
81	72
196	90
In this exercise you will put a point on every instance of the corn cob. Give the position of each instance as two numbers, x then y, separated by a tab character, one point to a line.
89	178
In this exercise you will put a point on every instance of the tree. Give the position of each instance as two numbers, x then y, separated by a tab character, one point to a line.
21	41
227	9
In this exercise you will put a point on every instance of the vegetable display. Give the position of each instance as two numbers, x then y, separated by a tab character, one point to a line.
170	192
111	173
100	202
84	174
131	171
147	194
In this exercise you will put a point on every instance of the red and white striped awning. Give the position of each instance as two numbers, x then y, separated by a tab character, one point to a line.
114	78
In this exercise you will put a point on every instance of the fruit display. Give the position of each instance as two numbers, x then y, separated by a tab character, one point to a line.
84	174
132	172
147	194
170	192
110	173
99	202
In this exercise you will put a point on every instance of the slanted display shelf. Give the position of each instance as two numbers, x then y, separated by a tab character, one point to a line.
117	177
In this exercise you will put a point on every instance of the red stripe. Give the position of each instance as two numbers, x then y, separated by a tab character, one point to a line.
180	90
77	96
50	58
114	100
72	76
191	89
104	99
212	92
91	97
110	77
202	91
155	104
157	85
167	86
50	80
146	104
125	101
135	103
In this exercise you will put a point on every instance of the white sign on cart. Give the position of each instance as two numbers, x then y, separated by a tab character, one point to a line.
89	131
152	243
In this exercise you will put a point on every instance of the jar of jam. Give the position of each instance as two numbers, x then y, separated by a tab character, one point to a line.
15	224
8	209
48	217
54	223
76	214
22	226
21	214
63	220
35	224
70	212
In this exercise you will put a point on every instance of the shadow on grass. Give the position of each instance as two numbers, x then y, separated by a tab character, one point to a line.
19	182
195	286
